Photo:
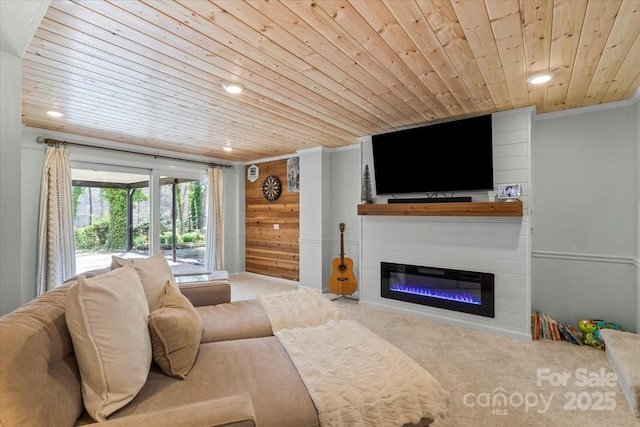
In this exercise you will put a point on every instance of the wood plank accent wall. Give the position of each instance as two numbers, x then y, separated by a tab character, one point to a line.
272	252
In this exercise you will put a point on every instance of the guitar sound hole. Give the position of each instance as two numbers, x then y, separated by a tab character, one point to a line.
342	268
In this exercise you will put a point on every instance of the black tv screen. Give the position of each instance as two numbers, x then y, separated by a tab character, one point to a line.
445	157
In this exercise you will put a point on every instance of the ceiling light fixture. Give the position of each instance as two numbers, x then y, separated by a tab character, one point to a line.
55	113
538	79
233	88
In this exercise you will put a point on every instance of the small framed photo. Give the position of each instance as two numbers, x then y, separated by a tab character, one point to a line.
509	191
293	175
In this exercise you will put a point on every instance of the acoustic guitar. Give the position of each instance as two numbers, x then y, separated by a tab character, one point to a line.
342	280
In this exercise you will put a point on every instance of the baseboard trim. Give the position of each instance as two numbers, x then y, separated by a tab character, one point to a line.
572	256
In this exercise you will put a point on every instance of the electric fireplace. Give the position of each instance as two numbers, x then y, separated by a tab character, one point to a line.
458	290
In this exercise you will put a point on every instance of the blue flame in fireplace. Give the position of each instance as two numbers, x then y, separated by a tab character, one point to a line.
432	293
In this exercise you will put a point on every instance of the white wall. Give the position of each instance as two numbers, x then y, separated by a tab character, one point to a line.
344	196
10	191
313	175
585	236
488	244
329	190
18	22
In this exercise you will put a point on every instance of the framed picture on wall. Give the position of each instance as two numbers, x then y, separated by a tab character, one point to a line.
293	175
509	191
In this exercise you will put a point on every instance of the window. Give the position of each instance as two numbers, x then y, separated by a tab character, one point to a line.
183	223
114	214
111	213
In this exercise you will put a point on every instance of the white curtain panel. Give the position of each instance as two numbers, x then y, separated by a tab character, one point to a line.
56	247
214	251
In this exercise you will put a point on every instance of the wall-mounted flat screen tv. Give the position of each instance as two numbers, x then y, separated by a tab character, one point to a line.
445	157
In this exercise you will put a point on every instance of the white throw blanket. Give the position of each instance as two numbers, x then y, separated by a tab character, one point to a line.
354	377
298	309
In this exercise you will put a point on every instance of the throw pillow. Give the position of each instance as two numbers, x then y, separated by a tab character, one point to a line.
176	331
154	272
107	318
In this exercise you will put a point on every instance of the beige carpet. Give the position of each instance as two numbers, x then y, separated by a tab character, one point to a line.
494	381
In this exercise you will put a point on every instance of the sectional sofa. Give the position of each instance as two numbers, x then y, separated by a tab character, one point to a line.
130	347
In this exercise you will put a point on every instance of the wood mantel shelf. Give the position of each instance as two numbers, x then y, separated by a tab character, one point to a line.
444	209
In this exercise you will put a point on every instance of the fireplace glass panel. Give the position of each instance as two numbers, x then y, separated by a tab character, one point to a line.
436	287
465	291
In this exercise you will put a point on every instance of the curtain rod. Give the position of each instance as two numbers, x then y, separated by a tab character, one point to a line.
50	141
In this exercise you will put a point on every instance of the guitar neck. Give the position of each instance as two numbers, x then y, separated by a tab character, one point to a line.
341	248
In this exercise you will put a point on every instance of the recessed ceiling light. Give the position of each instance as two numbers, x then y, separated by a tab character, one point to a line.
227	148
538	79
55	113
233	88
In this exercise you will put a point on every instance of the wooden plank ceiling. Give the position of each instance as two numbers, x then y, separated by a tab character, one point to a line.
315	73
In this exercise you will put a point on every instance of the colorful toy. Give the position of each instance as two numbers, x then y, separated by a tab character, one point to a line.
591	331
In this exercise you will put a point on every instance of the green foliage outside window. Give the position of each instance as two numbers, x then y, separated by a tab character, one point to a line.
109	233
194	194
193	237
77	192
139	197
117	200
92	237
180	215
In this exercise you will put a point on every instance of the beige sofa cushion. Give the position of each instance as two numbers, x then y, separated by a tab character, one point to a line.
154	272
107	319
234	321
206	293
176	331
39	378
258	366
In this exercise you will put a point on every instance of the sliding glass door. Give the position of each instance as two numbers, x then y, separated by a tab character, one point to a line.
132	212
182	227
111	214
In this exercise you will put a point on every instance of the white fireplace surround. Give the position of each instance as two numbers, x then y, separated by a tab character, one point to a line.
498	245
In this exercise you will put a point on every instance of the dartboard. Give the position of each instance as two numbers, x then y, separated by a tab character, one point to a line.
271	188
